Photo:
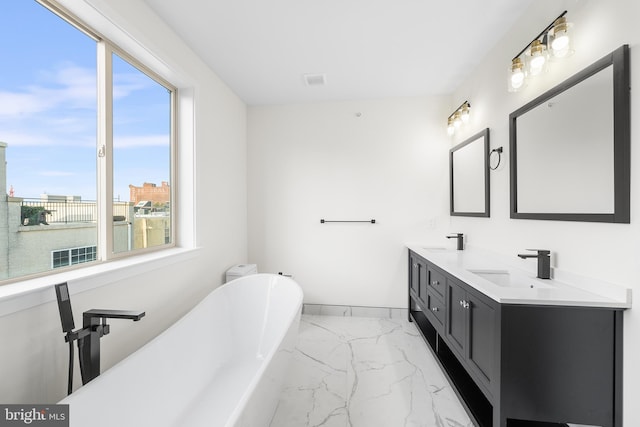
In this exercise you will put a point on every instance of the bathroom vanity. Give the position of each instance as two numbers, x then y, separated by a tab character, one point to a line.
517	348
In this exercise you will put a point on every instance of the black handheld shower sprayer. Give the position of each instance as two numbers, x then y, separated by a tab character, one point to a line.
94	326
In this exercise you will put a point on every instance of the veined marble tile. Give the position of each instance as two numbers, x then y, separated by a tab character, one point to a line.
365	372
379	312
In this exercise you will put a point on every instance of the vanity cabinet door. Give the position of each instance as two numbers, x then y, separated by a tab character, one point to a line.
414	272
456	318
483	334
418	279
472	330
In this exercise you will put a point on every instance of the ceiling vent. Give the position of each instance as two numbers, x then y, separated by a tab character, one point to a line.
315	79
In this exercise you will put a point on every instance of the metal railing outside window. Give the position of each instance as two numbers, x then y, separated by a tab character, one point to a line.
38	211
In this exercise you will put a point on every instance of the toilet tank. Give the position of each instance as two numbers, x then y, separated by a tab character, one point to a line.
241	270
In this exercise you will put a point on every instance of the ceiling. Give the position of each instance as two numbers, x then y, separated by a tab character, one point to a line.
365	48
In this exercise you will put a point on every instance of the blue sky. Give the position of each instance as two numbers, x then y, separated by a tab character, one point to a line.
48	110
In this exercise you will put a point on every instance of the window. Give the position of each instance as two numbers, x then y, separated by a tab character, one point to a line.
86	146
141	156
67	257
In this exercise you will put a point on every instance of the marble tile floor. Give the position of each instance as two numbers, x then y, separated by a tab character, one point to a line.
365	372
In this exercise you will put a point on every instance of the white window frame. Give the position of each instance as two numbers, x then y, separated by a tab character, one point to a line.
104	148
27	292
104	151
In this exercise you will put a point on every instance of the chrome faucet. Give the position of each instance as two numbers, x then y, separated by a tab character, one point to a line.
460	238
544	262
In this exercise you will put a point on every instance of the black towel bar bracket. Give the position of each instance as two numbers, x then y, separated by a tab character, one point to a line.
372	221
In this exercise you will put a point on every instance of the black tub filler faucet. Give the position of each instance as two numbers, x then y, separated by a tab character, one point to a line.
94	327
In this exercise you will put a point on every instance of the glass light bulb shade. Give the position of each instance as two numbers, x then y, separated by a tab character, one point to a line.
450	129
457	120
517	79
537	56
464	113
516	75
560	38
536	64
560	42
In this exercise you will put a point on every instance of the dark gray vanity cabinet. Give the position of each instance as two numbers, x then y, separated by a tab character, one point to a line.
515	365
472	324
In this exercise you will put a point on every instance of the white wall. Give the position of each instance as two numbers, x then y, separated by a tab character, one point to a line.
313	161
606	251
33	359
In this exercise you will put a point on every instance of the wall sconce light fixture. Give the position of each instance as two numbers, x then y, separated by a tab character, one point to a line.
554	42
458	117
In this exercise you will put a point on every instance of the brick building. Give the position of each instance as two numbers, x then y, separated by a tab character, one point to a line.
150	192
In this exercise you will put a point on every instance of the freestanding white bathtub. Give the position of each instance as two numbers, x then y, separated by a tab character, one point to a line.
222	364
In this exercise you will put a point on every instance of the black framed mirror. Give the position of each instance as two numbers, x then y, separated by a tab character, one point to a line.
469	176
570	147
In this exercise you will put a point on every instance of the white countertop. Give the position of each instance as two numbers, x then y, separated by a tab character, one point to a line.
571	290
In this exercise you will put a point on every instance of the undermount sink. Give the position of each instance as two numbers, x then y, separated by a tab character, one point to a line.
434	248
507	280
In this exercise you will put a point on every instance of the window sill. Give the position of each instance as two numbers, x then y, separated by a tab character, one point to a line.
22	295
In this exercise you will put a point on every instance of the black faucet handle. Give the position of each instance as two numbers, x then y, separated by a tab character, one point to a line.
455	236
64	306
540	251
114	314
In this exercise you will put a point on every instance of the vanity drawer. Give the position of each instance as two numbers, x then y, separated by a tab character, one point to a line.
436	281
435	310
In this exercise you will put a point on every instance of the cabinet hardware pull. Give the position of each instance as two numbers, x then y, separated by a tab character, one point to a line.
434	309
461	303
415	265
466	304
435	283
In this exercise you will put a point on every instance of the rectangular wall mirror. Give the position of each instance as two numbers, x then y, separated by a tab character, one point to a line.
469	176
570	147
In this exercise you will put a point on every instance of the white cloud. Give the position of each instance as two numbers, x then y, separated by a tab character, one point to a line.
18	138
141	141
59	109
67	87
18	104
56	173
43	137
126	83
